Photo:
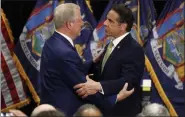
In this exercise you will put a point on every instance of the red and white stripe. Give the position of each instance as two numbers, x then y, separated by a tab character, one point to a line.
11	83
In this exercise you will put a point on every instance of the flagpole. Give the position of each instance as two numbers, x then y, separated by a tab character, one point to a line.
138	24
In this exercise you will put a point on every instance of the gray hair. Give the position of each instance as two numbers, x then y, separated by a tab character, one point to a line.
154	109
88	110
63	13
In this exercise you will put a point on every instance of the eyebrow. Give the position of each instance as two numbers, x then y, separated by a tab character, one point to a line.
110	19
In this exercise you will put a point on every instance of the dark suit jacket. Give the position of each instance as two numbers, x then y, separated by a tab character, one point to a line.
125	64
61	70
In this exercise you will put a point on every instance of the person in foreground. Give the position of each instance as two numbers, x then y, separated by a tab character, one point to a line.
43	110
123	61
62	68
88	110
154	110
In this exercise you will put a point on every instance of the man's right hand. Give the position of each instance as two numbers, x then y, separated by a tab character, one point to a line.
124	93
88	88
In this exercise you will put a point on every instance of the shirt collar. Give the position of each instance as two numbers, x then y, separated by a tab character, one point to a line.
67	37
117	40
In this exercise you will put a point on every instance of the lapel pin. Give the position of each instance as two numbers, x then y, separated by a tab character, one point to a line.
118	47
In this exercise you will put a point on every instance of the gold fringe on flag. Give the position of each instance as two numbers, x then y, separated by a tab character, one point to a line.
26	79
17	105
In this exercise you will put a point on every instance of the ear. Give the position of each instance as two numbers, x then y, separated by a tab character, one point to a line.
123	26
69	24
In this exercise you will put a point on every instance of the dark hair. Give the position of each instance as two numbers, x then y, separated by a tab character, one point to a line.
80	111
125	15
51	113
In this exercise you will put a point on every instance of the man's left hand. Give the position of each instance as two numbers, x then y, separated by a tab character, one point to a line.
97	56
89	88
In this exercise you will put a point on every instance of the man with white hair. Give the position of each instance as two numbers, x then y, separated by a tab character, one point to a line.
62	68
154	109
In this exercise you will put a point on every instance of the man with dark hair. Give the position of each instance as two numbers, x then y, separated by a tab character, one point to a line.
88	110
123	61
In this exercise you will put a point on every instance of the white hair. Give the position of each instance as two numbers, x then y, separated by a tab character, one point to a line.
63	13
154	109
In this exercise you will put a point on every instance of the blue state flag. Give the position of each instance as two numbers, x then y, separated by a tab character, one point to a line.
166	54
37	29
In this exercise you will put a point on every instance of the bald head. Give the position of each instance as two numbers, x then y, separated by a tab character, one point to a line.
42	108
91	112
88	110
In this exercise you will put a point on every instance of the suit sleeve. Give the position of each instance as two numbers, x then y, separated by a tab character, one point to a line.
72	70
132	69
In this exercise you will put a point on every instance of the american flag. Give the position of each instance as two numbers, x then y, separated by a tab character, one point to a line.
13	78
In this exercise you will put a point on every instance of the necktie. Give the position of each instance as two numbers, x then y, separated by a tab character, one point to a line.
107	54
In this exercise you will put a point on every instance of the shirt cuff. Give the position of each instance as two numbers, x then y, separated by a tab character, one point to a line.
116	99
101	90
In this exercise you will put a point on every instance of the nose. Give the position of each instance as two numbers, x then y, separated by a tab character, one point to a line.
82	25
82	22
105	23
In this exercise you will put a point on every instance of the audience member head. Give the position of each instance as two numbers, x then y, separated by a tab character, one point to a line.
51	113
154	109
46	109
88	110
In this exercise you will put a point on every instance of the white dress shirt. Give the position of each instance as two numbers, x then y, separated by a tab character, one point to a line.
117	40
66	37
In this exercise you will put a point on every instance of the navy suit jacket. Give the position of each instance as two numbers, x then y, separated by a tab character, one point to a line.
61	70
125	64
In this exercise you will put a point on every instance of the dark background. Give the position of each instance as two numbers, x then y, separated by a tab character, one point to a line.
18	11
